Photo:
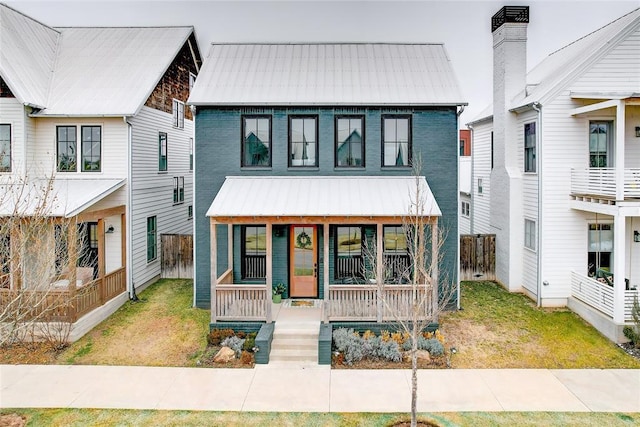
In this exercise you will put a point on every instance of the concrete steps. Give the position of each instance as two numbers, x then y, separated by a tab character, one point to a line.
295	341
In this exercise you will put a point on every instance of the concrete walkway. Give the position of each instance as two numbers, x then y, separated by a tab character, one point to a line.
288	387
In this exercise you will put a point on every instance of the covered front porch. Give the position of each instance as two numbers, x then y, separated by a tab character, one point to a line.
349	258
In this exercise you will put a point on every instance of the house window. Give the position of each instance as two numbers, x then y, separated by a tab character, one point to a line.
530	234
67	148
178	190
465	208
349	141
303	141
152	238
190	212
491	150
192	81
5	148
530	147
479	185
348	252
162	152
461	147
600	248
254	252
395	254
190	154
178	114
91	148
600	144
256	141
396	143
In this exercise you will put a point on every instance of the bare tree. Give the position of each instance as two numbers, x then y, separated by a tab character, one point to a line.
430	289
38	253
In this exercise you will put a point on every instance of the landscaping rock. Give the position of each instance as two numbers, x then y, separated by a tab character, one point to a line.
224	355
423	356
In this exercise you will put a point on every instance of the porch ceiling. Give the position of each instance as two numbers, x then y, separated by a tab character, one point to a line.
318	199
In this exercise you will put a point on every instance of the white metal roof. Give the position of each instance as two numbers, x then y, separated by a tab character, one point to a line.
27	56
329	196
64	197
327	74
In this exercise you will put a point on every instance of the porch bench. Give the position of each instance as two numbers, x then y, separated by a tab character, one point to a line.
263	343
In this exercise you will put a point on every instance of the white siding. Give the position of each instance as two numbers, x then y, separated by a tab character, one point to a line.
113	244
481	154
13	113
152	191
633	252
465	222
632	143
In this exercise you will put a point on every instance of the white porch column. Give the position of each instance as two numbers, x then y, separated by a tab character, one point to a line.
269	278
435	254
325	269
619	243
379	270
213	242
230	247
619	150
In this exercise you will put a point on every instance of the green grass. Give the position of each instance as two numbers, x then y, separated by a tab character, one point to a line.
82	417
498	329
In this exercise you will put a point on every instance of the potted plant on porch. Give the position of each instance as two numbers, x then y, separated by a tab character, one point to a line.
278	290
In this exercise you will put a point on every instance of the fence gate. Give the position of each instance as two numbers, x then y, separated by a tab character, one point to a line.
478	257
177	256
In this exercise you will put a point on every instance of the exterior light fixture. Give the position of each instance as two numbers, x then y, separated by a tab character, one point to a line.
636	236
637	131
110	229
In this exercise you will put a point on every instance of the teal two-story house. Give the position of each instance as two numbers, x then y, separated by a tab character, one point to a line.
303	166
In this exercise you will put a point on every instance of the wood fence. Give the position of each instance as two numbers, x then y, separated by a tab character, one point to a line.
478	257
176	256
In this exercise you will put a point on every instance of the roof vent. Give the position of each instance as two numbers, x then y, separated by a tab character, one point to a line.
510	14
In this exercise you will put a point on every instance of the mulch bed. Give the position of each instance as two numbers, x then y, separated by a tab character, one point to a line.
436	363
631	350
206	360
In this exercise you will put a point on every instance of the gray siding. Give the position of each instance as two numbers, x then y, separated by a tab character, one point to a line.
217	155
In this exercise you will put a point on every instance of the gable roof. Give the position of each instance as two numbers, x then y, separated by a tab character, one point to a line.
327	74
90	71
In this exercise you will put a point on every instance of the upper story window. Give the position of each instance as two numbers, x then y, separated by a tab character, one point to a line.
162	151
67	148
178	114
480	186
190	154
178	190
5	148
256	141
350	141
303	141
396	142
91	148
600	144
530	147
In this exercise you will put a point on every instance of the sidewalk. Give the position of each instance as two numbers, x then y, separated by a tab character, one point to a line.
296	388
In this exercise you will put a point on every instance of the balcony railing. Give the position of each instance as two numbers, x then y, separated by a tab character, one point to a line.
600	295
601	182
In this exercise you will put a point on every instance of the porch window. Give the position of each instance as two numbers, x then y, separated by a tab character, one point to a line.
600	144
350	141
530	147
396	142
396	255
162	151
254	252
67	151
178	114
256	141
348	253
152	238
91	148
303	141
600	242
5	148
530	234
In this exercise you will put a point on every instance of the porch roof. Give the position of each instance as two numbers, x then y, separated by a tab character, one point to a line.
56	197
321	196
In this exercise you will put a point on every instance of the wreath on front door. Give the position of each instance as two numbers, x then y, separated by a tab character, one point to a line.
303	240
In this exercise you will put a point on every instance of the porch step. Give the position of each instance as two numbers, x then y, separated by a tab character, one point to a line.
295	342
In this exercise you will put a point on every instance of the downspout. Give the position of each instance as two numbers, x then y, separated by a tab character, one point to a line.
129	231
538	107
459	112
193	203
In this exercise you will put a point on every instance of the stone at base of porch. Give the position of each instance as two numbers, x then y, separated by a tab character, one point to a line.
602	323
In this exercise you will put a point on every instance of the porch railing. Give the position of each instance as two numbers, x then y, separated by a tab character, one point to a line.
629	296
593	293
255	266
241	302
602	182
360	302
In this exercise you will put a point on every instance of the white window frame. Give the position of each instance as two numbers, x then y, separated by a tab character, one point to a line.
530	234
530	166
480	186
465	208
178	114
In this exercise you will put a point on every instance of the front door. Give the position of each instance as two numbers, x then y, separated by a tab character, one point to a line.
304	261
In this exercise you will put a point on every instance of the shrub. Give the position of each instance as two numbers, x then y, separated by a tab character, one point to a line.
349	343
250	341
234	343
432	345
389	350
341	338
246	358
217	335
368	334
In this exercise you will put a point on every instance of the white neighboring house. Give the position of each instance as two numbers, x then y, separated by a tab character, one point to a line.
464	181
556	169
101	112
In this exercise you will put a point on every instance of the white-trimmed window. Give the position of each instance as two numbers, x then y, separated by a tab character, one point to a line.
178	114
600	249
480	186
192	81
178	190
600	144
5	148
530	234
530	147
91	148
465	209
190	154
152	238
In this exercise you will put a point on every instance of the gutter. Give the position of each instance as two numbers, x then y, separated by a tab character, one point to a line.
538	107
129	228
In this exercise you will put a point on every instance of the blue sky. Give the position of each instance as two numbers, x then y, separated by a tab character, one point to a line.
463	26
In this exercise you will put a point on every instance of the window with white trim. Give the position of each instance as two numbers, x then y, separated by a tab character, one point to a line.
464	209
530	147
5	148
178	114
530	234
178	190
